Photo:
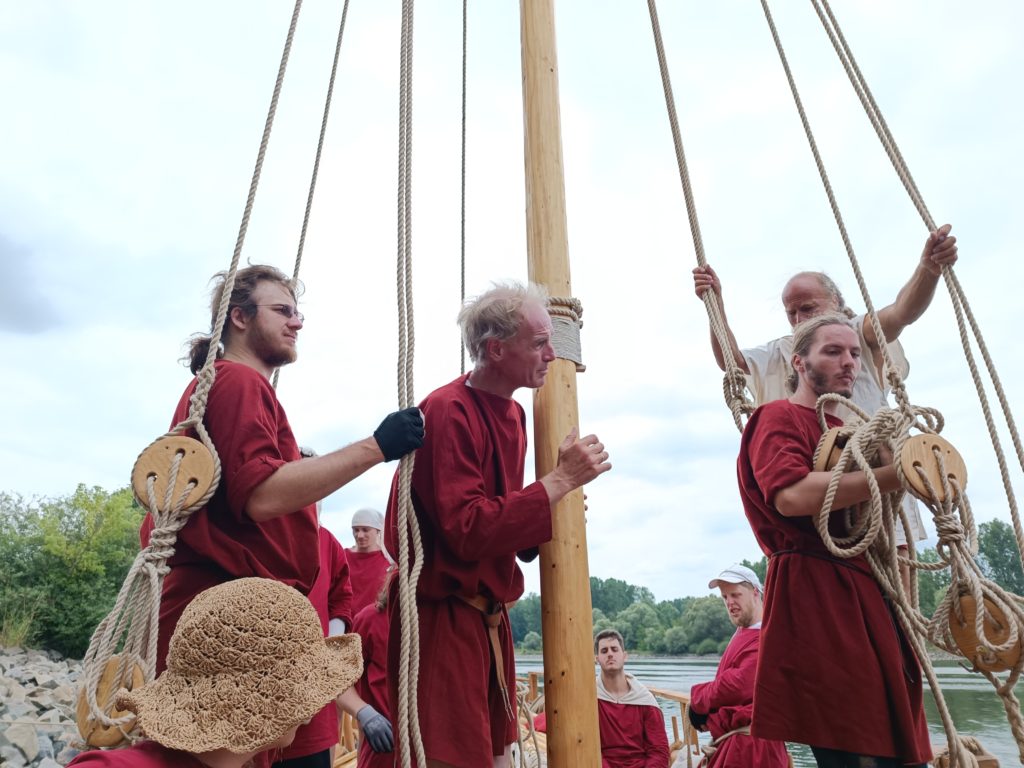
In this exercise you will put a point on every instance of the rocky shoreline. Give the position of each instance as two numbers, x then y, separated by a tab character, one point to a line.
37	708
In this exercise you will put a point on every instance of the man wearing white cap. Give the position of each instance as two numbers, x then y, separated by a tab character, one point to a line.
724	706
366	560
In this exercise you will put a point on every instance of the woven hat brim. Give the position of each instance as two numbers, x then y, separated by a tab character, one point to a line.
244	712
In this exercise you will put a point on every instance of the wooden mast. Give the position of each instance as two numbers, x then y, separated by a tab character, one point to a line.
570	693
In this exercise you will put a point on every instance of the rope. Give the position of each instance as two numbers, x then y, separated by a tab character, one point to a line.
407	523
316	161
954	549
565	314
734	383
462	238
958	298
132	625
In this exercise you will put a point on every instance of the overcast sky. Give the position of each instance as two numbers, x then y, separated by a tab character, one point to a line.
127	144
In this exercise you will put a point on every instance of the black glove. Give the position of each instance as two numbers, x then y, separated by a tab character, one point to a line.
376	729
697	720
399	433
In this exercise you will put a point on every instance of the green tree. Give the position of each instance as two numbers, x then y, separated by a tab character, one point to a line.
932	585
999	557
611	595
68	557
532	642
634	622
760	567
706	619
675	641
525	617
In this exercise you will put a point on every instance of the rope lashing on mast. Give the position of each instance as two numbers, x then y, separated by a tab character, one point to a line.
566	322
408	728
734	386
131	627
957	544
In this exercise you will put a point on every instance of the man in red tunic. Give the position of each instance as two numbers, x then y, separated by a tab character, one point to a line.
835	672
331	595
262	520
367	561
724	705
475	515
628	716
371	624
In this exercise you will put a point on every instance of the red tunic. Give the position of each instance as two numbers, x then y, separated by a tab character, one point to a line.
372	627
219	542
632	735
728	702
144	754
331	595
835	671
474	516
367	570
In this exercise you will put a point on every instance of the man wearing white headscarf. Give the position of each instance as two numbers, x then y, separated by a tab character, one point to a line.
367	561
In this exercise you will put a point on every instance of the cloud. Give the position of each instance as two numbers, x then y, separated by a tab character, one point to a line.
25	307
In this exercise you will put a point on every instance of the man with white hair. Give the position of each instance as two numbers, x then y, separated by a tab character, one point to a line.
475	516
725	705
367	561
808	294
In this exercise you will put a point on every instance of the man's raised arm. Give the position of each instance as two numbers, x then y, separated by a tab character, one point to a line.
913	299
705	279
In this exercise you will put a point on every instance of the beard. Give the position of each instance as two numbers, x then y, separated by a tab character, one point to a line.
819	382
272	350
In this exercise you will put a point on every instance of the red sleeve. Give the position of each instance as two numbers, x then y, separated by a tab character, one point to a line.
729	719
473	524
779	456
339	596
243	420
656	751
731	687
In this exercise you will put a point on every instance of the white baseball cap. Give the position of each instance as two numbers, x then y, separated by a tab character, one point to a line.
736	574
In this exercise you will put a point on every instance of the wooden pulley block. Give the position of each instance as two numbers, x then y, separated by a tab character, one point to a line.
95	733
830	448
918	452
997	631
197	465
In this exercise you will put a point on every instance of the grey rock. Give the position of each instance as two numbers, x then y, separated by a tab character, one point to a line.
45	746
64	694
48	762
19	709
67	754
23	736
12	757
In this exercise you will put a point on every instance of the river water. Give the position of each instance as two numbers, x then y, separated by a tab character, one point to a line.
972	701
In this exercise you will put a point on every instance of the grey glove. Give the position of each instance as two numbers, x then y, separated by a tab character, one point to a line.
376	729
399	433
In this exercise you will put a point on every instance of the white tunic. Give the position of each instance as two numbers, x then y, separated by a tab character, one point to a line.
769	367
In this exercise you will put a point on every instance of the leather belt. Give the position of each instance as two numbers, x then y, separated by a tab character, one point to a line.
492	613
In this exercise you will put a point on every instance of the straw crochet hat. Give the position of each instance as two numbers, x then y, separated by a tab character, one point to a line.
247	661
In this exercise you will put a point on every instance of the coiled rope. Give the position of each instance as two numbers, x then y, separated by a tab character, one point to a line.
131	627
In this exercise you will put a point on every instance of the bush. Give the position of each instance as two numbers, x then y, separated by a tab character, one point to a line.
532	642
707	647
65	560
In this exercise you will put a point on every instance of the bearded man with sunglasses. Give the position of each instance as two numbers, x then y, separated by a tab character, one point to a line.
262	521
